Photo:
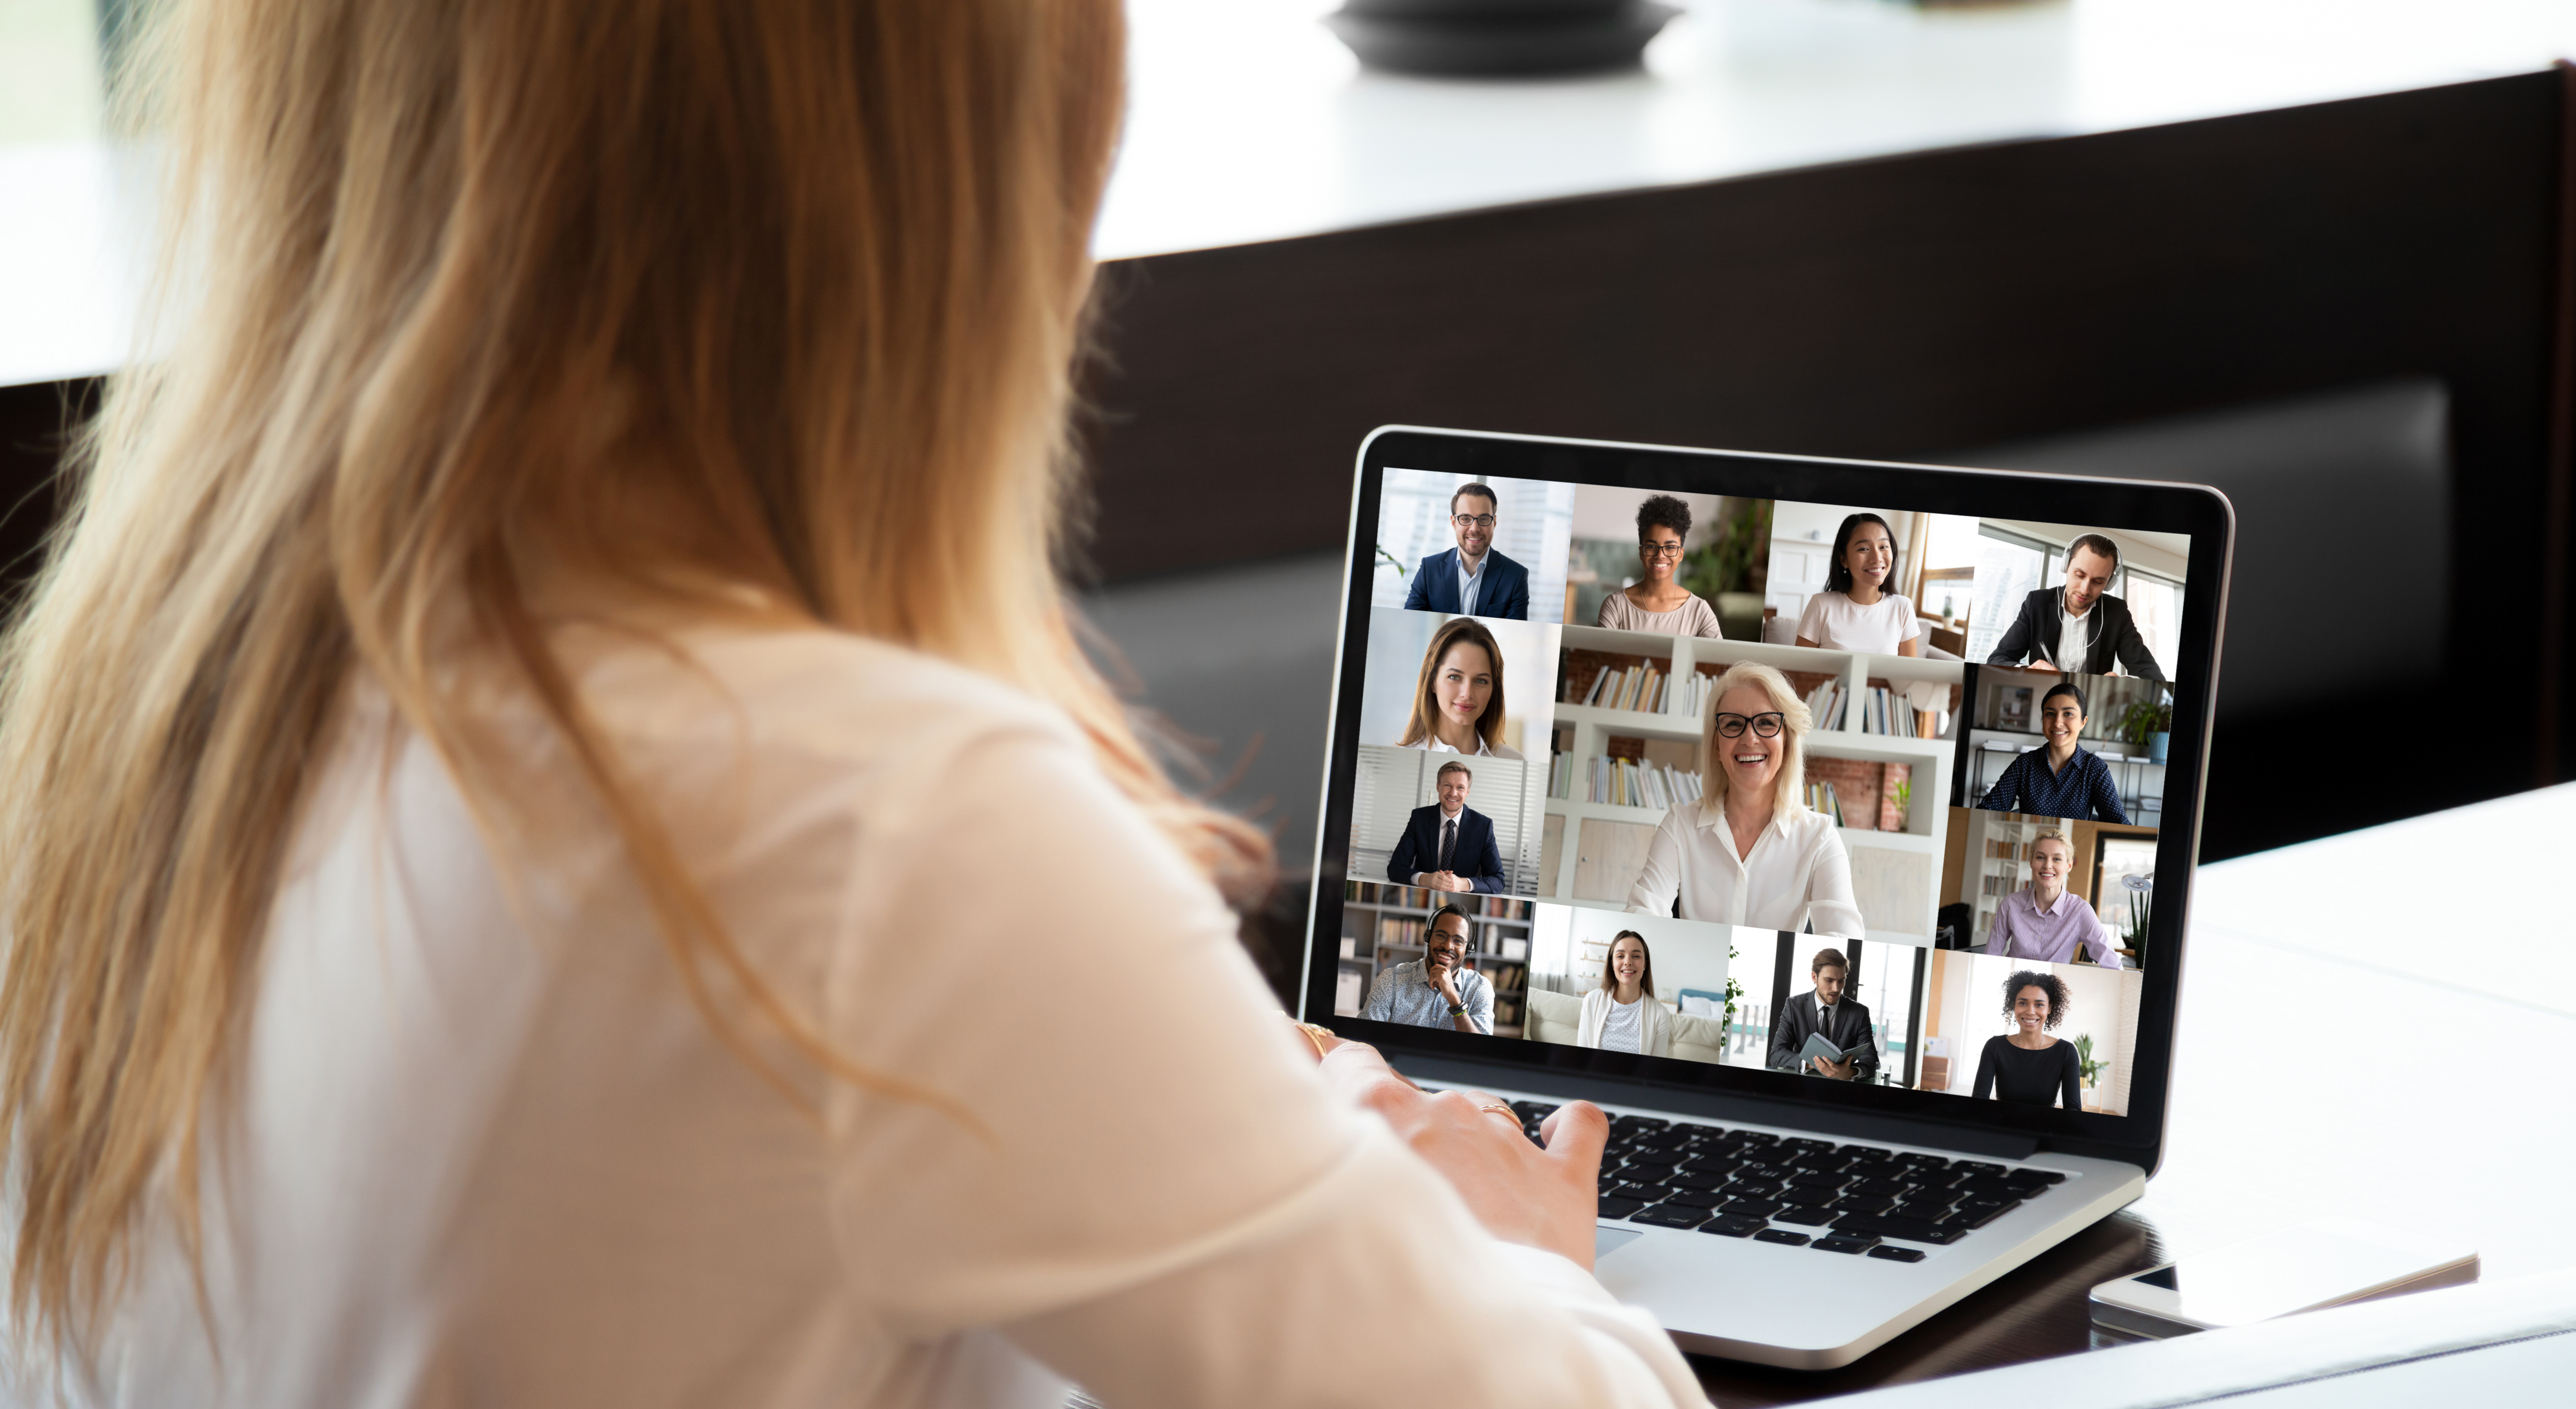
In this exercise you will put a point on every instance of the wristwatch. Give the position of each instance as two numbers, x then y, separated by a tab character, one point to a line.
1457	1010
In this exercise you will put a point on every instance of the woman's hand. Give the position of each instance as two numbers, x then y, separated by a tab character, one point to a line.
1522	1194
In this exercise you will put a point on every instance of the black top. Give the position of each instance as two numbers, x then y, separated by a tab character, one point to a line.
2038	1078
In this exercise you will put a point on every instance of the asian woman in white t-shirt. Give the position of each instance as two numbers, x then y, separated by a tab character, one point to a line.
1855	612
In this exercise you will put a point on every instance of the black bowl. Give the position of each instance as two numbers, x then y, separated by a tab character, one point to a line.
1502	47
1477	10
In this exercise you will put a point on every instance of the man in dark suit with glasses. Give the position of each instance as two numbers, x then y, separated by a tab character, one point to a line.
1471	579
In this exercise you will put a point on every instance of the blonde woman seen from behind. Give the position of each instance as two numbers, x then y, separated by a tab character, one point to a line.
1750	851
1623	1014
489	772
1458	698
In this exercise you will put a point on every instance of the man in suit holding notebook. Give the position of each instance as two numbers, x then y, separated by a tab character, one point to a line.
1471	579
1844	1022
1448	845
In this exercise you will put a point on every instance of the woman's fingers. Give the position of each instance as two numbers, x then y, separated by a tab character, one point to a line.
1577	1131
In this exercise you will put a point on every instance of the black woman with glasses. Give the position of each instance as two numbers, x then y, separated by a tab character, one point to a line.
1750	851
1471	579
1657	602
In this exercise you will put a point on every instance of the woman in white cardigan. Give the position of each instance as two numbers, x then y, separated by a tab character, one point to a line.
1623	1014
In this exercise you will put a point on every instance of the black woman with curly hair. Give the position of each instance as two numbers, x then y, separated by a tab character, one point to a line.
2027	1065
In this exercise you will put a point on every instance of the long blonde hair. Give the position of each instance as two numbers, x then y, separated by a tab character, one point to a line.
673	297
1789	789
1426	710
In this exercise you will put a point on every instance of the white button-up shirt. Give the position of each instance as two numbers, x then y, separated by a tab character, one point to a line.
1469	580
1798	873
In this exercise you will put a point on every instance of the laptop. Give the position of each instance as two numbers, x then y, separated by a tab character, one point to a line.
1828	823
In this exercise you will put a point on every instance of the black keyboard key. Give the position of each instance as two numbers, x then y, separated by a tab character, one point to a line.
1757	1137
1694	1198
1815	1146
1786	1239
1689	1178
1972	1216
1610	1180
1642	1192
1995	1189
1969	1166
1727	1225
1813	1180
1808	1198
1749	1208
2027	1182
1879	1188
1864	1205
1613	1206
1897	1254
1670	1216
1929	1213
1860	1152
1923	1161
1661	1159
1843	1243
1805	1217
1644	1124
1672	1139
1924	1177
1912	1230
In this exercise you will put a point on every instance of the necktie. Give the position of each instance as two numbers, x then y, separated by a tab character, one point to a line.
1448	841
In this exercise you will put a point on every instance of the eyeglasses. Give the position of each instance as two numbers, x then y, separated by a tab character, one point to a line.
1472	520
1766	725
1660	550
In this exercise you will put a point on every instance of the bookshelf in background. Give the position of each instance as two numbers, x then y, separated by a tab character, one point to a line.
1613	771
1382	925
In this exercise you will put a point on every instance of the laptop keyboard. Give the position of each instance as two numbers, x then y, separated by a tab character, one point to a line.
1849	1199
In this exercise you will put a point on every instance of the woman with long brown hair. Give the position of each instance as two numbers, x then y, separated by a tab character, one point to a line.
1458	697
550	702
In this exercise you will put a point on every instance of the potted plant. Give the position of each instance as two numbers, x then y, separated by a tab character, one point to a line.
2091	1069
2142	904
2149	722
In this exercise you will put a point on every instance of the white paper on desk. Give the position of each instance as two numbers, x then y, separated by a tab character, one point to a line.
2295	1350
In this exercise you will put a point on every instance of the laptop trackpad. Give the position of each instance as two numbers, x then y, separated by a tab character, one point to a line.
1606	1241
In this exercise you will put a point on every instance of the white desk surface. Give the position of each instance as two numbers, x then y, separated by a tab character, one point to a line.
2382	1024
1250	122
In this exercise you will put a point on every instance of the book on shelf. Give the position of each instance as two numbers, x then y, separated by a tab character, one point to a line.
1636	687
1821	798
1627	782
1395	929
1826	703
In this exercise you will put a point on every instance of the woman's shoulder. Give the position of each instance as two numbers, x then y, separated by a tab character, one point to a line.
806	690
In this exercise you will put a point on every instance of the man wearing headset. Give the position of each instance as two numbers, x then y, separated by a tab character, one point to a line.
2079	628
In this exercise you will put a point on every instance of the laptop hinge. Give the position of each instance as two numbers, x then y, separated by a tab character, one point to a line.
1712	1105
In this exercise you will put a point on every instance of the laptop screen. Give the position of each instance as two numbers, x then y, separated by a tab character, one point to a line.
1658	766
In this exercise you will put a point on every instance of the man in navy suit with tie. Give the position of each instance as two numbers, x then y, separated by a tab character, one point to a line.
1448	845
1471	579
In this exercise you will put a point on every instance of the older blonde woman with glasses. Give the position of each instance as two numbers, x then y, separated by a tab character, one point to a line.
549	702
1750	851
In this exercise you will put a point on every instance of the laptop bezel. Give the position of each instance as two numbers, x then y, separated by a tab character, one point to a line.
2198	511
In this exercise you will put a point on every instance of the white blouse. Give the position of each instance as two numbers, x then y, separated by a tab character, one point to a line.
1483	750
487	1150
1837	623
1798	872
